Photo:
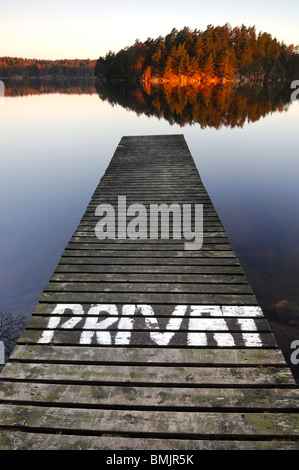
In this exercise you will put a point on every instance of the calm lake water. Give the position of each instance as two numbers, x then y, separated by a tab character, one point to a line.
57	141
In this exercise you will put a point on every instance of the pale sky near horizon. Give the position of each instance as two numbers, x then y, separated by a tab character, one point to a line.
69	29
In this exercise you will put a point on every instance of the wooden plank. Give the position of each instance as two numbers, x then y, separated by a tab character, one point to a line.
141	298
161	423
211	236
142	323
118	249
156	244
151	397
193	310
188	376
158	338
149	254
208	229
150	277
45	441
143	356
151	269
157	287
141	261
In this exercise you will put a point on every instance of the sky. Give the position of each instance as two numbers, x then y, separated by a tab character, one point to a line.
70	29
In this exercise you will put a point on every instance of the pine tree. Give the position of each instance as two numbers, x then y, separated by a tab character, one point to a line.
226	64
208	67
168	71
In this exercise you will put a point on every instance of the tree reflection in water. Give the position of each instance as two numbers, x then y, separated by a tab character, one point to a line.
39	86
209	106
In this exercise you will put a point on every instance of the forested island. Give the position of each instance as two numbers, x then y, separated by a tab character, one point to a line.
216	55
14	67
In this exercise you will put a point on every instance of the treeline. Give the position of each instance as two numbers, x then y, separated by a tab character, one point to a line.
221	51
11	67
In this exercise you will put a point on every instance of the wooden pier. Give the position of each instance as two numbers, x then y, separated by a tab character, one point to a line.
142	344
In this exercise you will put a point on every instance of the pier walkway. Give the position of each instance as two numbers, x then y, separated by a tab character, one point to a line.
141	343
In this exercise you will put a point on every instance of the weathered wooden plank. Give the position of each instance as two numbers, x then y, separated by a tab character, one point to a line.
156	261
209	217
154	356
151	179
131	297
211	221
156	244
137	247
148	374
163	310
147	186
153	269
151	338
153	175
150	277
97	252
157	287
157	228
234	399
176	189
89	234
143	323
149	194
208	229
206	424
148	201
45	441
208	208
210	225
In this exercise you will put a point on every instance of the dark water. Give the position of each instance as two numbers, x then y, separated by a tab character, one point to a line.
58	138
